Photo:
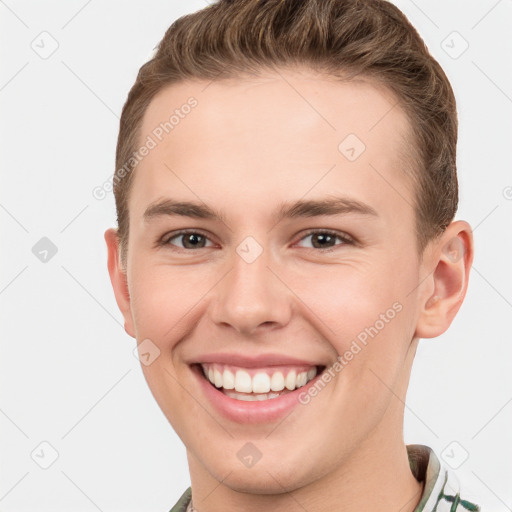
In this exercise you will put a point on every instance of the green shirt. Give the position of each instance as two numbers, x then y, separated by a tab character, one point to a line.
441	491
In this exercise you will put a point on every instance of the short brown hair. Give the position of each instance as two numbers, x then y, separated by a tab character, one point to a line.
369	38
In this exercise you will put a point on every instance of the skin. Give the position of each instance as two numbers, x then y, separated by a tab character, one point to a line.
250	145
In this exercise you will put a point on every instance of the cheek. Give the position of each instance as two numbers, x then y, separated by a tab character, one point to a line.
347	298
363	312
165	300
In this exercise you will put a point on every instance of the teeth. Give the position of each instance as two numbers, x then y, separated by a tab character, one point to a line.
290	380
243	382
302	379
228	380
277	382
262	383
250	398
217	378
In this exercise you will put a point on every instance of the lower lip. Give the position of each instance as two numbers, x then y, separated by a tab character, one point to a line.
239	411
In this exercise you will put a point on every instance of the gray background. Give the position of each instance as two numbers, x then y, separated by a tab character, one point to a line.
69	378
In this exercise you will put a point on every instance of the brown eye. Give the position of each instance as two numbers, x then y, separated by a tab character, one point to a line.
326	239
321	240
189	240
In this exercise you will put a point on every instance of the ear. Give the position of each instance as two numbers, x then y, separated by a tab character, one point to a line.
449	258
118	278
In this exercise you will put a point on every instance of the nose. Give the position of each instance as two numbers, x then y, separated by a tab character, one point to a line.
251	297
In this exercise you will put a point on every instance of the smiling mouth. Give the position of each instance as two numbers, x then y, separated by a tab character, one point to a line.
253	384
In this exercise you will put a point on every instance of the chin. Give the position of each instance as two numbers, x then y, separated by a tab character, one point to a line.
262	483
261	479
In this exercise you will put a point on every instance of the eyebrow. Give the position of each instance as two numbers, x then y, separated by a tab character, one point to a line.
297	209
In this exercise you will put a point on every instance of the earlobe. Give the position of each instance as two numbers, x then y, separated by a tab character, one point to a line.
118	278
446	286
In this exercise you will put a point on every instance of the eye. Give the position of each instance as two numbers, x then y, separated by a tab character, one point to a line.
325	239
189	239
320	239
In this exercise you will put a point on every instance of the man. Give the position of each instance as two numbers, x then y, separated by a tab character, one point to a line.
285	189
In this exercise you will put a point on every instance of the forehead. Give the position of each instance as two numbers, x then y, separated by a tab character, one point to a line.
283	129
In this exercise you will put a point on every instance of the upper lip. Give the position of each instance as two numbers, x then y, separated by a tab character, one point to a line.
255	361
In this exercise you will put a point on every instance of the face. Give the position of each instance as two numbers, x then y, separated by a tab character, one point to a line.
297	276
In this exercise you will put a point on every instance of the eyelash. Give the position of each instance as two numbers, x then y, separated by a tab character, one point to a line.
346	239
